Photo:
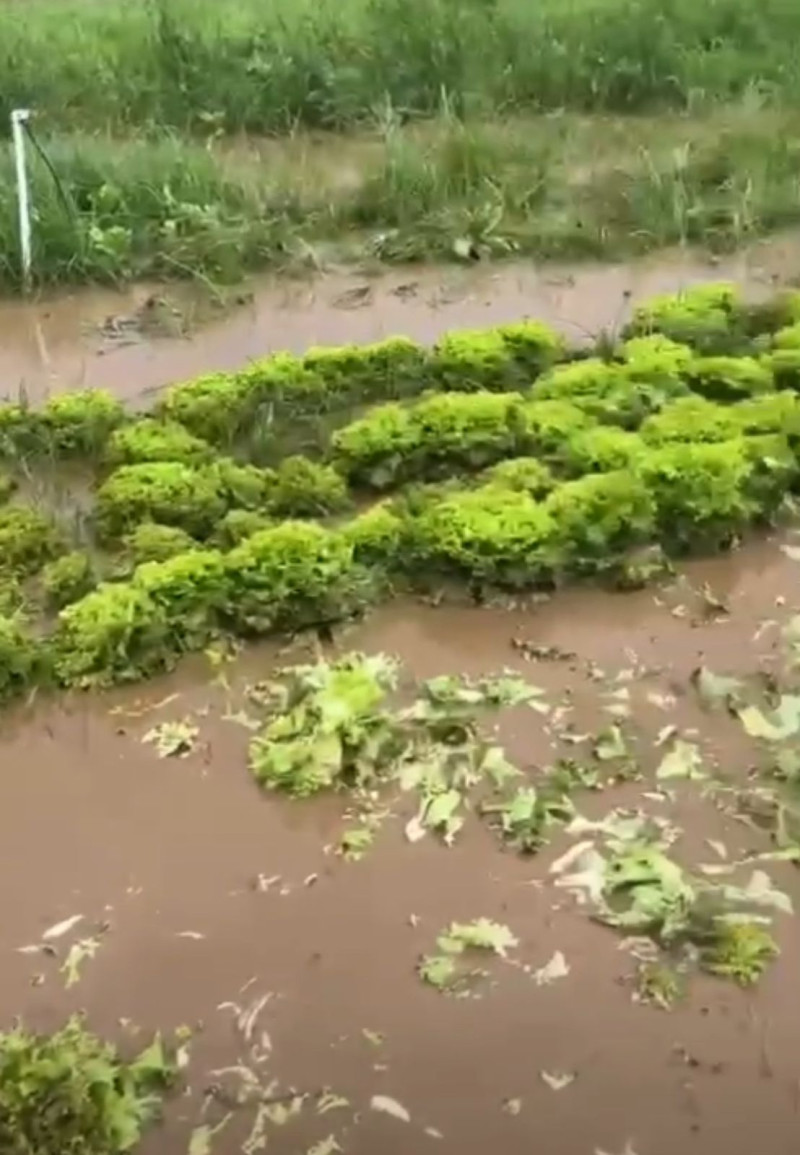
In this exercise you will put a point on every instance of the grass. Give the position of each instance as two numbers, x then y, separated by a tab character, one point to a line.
265	66
560	186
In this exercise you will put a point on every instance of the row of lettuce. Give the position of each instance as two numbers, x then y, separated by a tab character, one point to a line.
661	442
218	410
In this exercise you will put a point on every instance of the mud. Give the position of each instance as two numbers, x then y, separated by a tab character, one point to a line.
119	341
92	822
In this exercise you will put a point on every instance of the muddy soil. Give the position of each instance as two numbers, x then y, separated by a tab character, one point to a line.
215	893
136	342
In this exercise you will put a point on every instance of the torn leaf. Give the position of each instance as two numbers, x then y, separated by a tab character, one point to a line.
391	1107
557	1080
173	739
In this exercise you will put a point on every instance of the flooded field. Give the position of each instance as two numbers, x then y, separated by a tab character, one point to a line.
207	897
137	341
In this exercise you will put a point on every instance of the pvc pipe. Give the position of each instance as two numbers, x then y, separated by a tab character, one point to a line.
19	117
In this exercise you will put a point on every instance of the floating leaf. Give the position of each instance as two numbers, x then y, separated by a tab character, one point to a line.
683	760
173	739
610	744
482	934
556	968
715	689
61	928
557	1080
79	952
784	721
355	843
391	1107
512	1106
326	1146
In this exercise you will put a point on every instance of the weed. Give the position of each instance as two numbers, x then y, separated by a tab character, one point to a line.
740	951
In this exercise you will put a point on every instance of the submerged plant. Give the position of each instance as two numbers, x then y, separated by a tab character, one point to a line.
449	969
72	1092
327	726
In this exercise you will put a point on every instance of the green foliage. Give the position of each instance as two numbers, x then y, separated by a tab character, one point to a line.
701	491
705	317
303	488
328	727
601	450
20	662
297	574
149	439
533	345
80	423
788	338
620	394
215	407
499	359
67	578
28	539
152	542
391	368
69	1092
774	471
7	486
770	413
239	485
548	424
238	524
690	419
167	492
487	535
599	516
473	360
377	536
656	356
190	591
115	634
439	433
728	378
374	450
784	365
520	475
741	951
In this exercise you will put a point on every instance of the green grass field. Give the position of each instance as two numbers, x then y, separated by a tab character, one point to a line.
208	139
266	66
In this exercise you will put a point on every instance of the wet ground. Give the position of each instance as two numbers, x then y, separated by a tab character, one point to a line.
137	341
215	893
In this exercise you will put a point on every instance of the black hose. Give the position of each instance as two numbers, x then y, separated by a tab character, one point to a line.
66	201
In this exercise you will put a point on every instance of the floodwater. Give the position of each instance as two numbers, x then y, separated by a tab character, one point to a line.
169	853
121	341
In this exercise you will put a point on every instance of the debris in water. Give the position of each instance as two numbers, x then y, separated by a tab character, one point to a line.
556	968
391	1107
326	1146
374	1038
61	928
683	760
512	1106
79	952
194	934
442	971
173	739
557	1080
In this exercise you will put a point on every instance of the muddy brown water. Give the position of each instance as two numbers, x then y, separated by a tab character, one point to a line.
92	822
107	339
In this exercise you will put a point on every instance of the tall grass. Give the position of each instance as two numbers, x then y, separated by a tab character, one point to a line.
269	66
548	187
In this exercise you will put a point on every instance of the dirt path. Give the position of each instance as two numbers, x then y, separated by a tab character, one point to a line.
100	338
168	851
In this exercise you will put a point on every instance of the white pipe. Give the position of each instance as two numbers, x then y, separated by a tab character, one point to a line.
18	117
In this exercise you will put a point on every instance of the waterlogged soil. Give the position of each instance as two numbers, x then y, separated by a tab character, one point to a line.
139	340
202	891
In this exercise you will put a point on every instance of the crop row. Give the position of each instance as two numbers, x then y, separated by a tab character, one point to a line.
678	438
